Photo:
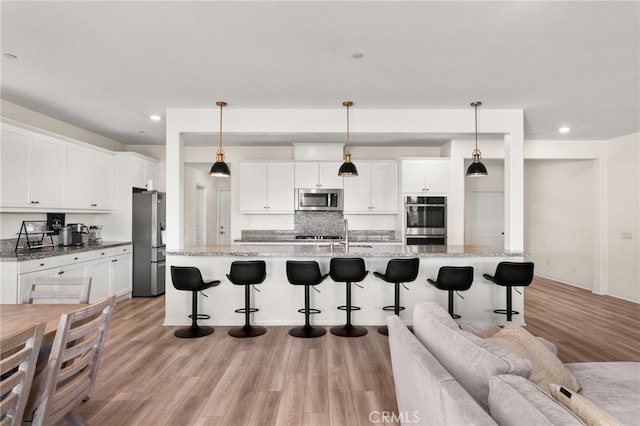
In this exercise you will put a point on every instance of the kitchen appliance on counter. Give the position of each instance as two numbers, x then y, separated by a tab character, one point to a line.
319	199
148	246
95	234
71	235
425	220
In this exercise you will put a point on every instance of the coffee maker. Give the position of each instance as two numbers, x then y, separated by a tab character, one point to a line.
71	235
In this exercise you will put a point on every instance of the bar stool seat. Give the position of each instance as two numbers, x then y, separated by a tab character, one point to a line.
306	273
399	271
511	274
188	278
348	270
247	273
453	278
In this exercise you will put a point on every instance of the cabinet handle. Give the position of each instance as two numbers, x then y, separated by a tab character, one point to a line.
318	185
94	205
101	254
42	264
114	260
61	272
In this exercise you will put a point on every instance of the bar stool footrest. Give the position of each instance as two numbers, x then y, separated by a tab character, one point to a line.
200	316
347	308
393	308
311	311
244	310
505	311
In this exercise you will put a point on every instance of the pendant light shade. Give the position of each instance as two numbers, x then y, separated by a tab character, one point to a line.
476	168
348	168
220	168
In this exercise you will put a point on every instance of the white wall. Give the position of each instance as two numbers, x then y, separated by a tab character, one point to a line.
623	201
560	217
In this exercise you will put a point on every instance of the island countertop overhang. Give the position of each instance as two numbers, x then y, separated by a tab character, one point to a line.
355	249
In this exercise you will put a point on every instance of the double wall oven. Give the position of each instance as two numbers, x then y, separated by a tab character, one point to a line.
425	220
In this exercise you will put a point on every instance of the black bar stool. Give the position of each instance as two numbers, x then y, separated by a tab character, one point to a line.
247	273
511	274
188	278
399	271
306	273
348	270
453	278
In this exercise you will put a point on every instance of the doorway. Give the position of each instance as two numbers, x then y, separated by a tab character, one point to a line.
201	215
486	216
224	216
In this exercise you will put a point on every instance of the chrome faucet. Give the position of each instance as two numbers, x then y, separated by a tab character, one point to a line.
346	235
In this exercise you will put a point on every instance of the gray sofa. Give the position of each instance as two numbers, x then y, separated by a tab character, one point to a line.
447	376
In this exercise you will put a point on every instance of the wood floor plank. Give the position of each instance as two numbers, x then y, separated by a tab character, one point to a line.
316	396
265	409
341	409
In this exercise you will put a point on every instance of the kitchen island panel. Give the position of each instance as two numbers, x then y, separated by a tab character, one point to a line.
279	301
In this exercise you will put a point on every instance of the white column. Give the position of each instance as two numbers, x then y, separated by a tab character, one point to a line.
174	184
514	191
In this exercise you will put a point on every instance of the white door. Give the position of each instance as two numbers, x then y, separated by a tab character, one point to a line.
487	218
201	215
224	216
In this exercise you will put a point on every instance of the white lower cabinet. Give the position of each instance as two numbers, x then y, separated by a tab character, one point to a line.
109	269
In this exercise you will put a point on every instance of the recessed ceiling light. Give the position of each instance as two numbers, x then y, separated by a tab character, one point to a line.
357	55
564	129
155	117
10	56
142	132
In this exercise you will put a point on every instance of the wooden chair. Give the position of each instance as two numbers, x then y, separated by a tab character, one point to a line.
73	364
18	354
60	290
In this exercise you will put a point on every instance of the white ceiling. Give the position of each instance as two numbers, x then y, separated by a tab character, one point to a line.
106	66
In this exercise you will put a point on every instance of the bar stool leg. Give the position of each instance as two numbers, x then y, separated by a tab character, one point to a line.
509	311
348	330
195	330
307	330
247	330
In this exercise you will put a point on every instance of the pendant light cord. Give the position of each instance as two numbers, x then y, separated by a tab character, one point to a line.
348	139
220	151
475	105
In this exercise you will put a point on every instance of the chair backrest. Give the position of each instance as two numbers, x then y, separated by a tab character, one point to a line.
73	363
246	272
18	356
347	269
187	278
402	270
304	272
458	278
60	290
514	273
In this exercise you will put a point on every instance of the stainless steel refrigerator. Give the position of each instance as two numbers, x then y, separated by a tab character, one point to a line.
148	245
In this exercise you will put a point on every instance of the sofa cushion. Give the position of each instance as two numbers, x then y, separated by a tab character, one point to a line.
426	393
586	410
468	358
515	401
546	367
612	386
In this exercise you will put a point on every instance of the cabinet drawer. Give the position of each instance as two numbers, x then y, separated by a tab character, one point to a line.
38	265
70	259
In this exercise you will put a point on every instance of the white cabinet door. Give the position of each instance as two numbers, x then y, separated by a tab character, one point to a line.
16	146
318	175
306	175
253	187
425	176
121	274
357	190
328	175
48	172
143	171
78	193
280	187
151	174
384	187
100	279
102	180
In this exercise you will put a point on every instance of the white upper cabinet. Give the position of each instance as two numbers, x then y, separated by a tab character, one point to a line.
16	147
33	169
266	187
318	175
425	176
41	172
145	172
374	190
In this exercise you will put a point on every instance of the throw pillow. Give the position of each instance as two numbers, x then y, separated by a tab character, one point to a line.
582	407
546	367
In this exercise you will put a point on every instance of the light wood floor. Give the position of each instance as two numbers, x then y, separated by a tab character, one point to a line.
149	377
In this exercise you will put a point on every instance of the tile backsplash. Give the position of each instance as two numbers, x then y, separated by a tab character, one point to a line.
318	223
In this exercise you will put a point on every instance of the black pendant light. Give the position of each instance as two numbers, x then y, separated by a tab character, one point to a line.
476	168
220	168
348	168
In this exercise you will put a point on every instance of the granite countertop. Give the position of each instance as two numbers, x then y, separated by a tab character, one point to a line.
359	249
7	254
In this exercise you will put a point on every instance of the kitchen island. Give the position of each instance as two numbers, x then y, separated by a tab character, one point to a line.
279	301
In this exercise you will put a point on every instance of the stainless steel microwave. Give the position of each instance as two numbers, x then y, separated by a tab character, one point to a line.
319	199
